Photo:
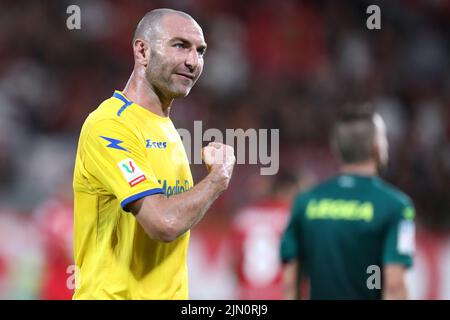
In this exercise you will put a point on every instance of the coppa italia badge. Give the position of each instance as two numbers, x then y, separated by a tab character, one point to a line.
131	172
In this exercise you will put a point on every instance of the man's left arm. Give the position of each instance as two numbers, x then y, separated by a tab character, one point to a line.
290	253
398	253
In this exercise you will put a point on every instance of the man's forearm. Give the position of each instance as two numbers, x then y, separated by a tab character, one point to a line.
185	210
165	218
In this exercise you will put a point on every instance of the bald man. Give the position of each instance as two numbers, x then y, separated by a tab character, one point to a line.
135	200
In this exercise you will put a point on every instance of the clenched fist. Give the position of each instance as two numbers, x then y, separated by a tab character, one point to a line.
219	158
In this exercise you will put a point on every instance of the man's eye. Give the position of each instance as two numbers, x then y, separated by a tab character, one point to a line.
178	45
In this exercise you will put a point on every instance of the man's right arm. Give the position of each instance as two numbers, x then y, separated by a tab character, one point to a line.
394	282
165	219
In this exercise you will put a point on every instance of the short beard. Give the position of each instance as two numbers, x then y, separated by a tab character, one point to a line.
163	89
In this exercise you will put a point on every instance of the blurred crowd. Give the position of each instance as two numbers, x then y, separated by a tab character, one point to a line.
288	65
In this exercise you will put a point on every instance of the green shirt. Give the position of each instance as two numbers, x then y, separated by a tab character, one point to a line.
345	229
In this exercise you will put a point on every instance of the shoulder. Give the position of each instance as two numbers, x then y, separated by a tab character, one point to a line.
392	193
103	127
105	118
400	203
107	110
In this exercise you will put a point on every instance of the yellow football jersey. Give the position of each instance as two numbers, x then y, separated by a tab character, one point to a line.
125	152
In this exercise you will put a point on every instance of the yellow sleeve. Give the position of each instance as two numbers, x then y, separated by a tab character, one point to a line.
115	159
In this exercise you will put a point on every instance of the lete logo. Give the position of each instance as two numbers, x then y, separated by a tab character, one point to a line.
130	163
132	173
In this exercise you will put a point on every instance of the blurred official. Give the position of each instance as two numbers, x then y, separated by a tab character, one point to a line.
353	235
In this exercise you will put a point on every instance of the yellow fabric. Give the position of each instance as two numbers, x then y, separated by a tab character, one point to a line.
126	152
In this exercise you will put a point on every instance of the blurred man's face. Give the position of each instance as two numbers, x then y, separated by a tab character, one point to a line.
176	59
381	141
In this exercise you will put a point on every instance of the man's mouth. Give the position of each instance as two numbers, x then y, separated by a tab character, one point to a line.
186	75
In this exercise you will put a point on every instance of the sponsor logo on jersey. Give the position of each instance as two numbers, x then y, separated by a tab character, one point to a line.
155	144
408	213
337	209
114	143
132	173
179	187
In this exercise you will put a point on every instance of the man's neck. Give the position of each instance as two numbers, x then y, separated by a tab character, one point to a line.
368	168
140	92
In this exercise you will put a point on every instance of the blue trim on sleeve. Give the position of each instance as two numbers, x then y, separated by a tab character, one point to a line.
139	196
126	102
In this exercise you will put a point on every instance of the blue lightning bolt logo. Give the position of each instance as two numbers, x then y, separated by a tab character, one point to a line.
114	143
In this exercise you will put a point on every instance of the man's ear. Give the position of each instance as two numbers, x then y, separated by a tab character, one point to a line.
141	51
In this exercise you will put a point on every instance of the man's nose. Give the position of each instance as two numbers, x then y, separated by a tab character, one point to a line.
192	60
